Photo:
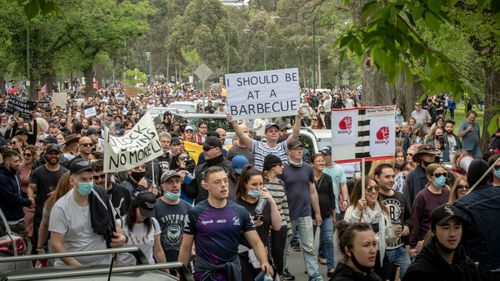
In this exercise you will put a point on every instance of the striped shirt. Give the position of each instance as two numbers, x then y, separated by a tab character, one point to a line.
277	189
261	150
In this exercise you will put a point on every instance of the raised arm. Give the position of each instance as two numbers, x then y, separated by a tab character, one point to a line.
296	126
243	138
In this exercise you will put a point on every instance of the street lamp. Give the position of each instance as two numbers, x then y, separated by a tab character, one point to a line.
148	57
265	56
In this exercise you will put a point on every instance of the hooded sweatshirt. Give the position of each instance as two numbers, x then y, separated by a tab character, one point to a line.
344	273
430	266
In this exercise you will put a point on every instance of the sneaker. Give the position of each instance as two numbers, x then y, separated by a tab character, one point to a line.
287	275
322	260
296	247
330	273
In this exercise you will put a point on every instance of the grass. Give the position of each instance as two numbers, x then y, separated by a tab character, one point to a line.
460	116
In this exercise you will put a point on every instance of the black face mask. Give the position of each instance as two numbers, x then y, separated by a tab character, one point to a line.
137	176
358	265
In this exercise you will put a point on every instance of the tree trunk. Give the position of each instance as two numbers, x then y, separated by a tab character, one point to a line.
407	95
99	73
491	99
376	89
48	80
2	84
89	75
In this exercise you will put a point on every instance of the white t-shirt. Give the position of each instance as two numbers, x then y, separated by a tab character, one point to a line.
141	239
72	220
421	117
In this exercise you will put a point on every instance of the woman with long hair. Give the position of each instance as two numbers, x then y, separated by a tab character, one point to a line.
371	210
142	230
357	247
436	193
30	155
63	186
326	198
266	216
459	189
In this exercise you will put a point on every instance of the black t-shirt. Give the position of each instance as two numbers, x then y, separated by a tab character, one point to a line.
262	230
46	182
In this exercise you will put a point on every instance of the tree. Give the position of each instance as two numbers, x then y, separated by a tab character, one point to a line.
400	37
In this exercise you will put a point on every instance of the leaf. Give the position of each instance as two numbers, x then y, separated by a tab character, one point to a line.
431	21
434	5
31	9
493	126
368	9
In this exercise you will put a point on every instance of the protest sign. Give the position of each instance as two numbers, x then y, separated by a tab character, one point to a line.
374	136
345	127
131	91
263	94
138	146
21	105
60	99
90	112
193	149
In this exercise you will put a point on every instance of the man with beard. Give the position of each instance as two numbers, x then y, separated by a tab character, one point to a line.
118	194
451	141
399	213
171	212
12	200
417	179
43	181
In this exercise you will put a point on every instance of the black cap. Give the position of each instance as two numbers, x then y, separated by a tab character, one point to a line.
49	139
168	174
270	125
52	147
476	170
146	202
212	142
326	151
93	130
80	165
270	161
22	131
294	144
167	113
441	214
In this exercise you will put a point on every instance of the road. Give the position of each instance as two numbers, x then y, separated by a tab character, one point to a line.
296	264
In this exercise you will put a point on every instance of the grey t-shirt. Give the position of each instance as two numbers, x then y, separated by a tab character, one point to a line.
171	219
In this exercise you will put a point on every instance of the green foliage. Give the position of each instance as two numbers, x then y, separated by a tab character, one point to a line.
33	8
133	77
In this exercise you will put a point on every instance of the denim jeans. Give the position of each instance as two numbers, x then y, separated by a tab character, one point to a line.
399	257
325	249
305	229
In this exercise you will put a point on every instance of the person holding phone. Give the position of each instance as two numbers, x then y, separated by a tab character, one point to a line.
249	193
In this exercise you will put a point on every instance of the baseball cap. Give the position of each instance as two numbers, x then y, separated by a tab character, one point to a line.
168	174
270	125
326	151
146	202
80	165
52	147
49	139
239	162
93	130
294	144
211	142
441	214
188	128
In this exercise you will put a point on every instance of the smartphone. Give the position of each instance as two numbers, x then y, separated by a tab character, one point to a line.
258	217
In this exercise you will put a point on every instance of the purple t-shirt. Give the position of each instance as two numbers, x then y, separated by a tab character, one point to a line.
217	231
423	205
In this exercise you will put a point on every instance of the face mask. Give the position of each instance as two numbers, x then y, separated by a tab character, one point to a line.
254	193
85	188
440	181
137	176
172	196
497	173
62	124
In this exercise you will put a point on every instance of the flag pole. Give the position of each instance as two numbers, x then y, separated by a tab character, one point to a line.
363	179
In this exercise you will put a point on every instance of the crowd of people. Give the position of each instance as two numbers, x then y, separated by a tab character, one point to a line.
235	213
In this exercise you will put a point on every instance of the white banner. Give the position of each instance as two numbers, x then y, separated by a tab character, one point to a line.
344	127
382	136
263	94
138	146
90	112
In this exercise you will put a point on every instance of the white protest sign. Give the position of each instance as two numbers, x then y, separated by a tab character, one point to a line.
345	126
60	99
138	146
382	133
263	94
90	112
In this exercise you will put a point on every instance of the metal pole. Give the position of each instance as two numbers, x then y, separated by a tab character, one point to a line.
28	67
149	70
227	68
314	55
168	65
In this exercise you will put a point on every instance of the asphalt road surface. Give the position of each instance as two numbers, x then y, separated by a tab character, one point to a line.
297	267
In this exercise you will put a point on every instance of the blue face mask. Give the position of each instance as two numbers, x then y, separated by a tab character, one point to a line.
497	173
254	193
440	181
172	196
85	188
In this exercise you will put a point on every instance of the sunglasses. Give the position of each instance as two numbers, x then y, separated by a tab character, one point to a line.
207	148
202	127
87	144
461	186
27	154
99	177
372	188
440	174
